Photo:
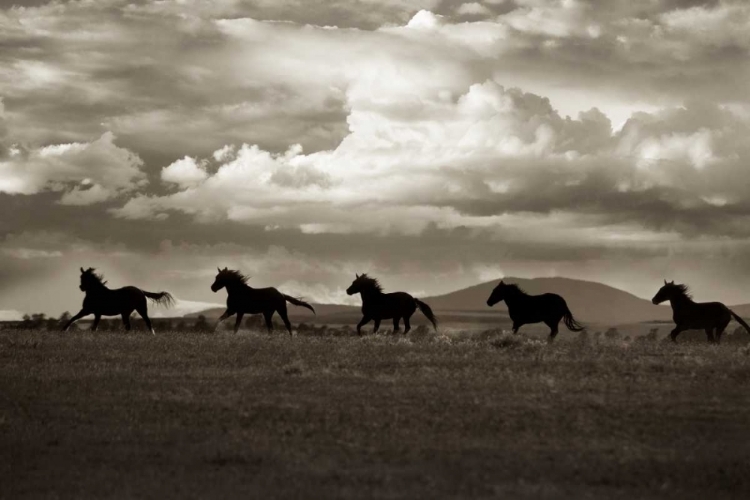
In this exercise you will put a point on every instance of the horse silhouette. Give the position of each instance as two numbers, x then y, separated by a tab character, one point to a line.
524	309
713	317
102	301
243	299
377	305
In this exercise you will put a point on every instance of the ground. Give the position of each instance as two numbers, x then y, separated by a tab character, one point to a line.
429	416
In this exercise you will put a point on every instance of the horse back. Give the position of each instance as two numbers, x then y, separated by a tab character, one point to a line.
389	305
111	302
255	300
702	314
537	308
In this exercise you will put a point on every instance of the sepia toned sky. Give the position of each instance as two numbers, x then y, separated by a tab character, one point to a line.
432	143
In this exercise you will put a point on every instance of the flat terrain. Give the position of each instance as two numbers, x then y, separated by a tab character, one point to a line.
255	416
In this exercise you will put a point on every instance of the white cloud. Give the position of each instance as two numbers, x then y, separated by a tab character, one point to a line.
185	173
473	9
100	169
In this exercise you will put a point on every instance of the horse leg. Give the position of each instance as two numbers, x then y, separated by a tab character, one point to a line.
238	321
97	317
285	319
362	323
267	315
396	327
407	324
516	326
126	321
144	314
377	325
81	314
224	316
710	335
553	327
675	332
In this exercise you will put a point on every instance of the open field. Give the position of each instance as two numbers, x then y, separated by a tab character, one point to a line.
256	416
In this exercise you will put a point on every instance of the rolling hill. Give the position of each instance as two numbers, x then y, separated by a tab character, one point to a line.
589	301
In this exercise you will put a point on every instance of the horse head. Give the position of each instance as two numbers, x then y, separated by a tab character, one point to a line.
498	294
220	281
356	286
90	280
666	292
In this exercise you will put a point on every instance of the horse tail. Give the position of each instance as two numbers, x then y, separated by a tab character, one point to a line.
570	321
162	298
427	312
298	302
740	320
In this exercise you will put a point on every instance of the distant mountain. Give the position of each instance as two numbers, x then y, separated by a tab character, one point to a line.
589	301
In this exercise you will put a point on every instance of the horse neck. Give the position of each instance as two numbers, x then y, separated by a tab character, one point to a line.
97	289
237	286
370	293
680	302
515	298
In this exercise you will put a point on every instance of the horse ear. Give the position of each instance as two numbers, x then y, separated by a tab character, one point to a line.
218	269
357	275
82	271
226	268
665	282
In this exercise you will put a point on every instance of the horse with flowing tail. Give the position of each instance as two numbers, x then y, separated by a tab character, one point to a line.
102	301
377	305
243	299
713	317
524	309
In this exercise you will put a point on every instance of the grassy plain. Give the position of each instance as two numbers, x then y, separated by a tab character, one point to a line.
429	416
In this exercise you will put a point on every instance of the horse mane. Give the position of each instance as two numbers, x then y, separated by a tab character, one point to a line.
236	276
515	288
371	283
98	277
683	290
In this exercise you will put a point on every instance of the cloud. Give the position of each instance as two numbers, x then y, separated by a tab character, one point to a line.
473	9
466	161
86	172
185	172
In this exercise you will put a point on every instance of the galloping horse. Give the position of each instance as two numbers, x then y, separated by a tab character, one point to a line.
377	305
689	315
243	299
102	301
523	309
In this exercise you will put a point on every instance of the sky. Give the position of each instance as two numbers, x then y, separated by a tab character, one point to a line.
434	144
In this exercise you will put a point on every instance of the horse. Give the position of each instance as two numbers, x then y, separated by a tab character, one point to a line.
243	299
377	305
689	315
102	301
524	309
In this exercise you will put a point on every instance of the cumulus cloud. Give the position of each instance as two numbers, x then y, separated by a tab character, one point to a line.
487	153
87	173
185	172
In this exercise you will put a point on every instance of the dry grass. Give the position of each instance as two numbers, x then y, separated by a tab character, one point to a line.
196	416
